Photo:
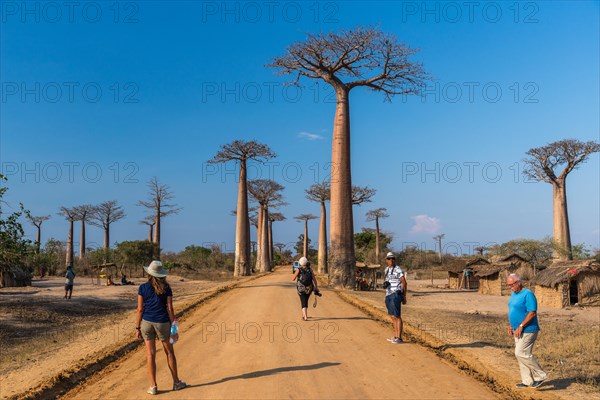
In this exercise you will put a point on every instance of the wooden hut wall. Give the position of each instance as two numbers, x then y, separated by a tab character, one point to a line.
453	280
588	285
490	285
552	296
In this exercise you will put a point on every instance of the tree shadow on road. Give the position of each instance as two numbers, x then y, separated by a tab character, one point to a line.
267	372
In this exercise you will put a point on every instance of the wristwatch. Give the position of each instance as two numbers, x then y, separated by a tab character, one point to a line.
521	325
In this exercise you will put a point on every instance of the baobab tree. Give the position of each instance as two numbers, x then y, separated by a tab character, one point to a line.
70	215
376	215
305	218
83	212
439	238
159	194
362	57
267	193
273	217
542	165
149	220
37	222
320	193
362	194
241	151
103	215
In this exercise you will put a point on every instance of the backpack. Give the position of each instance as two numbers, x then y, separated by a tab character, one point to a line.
305	277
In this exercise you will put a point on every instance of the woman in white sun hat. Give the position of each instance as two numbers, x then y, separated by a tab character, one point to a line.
155	315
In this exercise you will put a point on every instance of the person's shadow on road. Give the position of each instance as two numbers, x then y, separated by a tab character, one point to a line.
267	372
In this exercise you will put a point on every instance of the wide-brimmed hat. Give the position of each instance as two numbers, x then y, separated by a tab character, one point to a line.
156	269
390	255
303	261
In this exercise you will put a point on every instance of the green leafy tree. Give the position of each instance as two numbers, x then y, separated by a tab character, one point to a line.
366	244
13	247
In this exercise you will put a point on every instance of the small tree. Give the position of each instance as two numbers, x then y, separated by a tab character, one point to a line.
70	215
241	151
376	215
13	246
103	216
305	218
320	193
361	57
159	194
438	239
273	217
267	193
37	222
541	166
83	213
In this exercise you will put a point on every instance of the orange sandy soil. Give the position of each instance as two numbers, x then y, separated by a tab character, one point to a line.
42	334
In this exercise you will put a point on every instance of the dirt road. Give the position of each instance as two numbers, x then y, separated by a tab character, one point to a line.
251	343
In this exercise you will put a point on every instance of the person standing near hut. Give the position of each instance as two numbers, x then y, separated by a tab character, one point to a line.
395	295
523	326
69	280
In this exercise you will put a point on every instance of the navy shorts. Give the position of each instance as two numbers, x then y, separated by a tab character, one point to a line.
393	304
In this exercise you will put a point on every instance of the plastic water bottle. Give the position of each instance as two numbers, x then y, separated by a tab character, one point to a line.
174	328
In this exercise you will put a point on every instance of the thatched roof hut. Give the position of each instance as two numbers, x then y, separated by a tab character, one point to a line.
568	283
492	277
461	272
14	277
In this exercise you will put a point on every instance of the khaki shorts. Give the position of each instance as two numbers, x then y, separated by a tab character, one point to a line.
151	329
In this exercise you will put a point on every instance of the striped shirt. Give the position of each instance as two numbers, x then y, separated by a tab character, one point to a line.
393	275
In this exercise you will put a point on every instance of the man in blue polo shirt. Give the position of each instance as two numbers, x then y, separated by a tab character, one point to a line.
523	325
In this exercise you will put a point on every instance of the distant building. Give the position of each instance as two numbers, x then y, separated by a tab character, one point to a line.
492	278
461	272
566	283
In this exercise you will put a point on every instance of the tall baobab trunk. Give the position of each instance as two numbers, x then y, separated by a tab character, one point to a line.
377	241
106	242
156	240
70	255
242	231
150	232
305	247
342	230
562	236
82	241
271	258
264	241
322	257
38	239
259	239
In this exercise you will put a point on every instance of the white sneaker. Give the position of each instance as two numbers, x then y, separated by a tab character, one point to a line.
152	390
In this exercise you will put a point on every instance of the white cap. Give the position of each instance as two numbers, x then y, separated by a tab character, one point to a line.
390	255
303	261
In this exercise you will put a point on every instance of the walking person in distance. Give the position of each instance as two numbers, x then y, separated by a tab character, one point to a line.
307	282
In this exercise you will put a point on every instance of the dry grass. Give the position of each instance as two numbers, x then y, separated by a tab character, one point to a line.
567	350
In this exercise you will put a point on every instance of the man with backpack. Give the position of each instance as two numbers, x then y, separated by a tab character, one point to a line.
307	282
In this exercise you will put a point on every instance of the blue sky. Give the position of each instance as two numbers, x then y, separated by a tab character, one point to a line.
99	98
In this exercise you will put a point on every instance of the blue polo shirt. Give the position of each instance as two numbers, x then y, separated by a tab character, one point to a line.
155	306
519	305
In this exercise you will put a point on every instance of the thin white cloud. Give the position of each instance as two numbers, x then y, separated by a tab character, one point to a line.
425	224
310	136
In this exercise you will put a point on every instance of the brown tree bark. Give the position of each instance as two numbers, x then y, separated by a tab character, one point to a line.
242	238
322	252
342	260
561	230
